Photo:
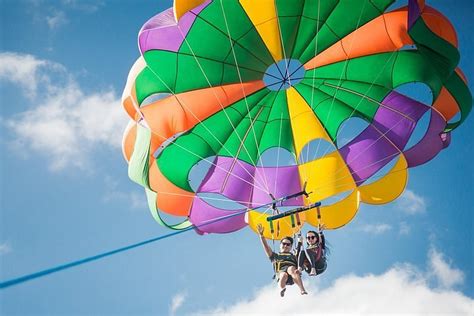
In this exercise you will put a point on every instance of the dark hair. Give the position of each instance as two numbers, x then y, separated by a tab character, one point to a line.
318	238
288	238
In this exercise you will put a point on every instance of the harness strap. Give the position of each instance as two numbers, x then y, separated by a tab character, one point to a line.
298	220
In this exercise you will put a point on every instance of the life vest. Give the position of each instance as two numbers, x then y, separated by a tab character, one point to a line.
318	249
283	259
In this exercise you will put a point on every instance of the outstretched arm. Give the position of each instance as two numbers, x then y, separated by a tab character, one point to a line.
265	245
321	236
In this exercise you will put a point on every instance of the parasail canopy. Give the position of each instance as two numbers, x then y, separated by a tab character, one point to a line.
234	101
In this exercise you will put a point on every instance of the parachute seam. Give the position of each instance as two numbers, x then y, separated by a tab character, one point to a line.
244	48
240	78
210	85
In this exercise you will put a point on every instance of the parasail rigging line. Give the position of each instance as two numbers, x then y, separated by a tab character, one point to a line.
245	95
340	77
183	104
218	100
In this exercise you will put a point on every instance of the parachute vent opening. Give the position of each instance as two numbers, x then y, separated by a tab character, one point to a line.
199	171
389	164
276	157
336	198
408	47
154	98
420	130
221	201
349	130
315	149
284	74
456	118
417	91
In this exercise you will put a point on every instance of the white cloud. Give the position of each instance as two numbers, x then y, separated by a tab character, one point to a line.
65	123
402	290
177	302
5	248
136	200
81	5
411	203
375	229
28	72
441	270
404	229
56	19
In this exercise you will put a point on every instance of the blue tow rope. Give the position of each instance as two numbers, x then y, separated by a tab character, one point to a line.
69	265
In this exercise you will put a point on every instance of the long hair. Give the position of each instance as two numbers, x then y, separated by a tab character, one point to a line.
324	243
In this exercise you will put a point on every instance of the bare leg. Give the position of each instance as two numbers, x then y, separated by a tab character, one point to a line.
296	275
283	277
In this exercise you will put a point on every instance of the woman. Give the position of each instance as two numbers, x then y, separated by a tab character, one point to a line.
313	258
285	263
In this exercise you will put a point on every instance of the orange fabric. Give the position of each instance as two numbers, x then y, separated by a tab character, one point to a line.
440	25
421	3
129	94
127	103
170	198
386	33
128	141
446	104
175	114
180	113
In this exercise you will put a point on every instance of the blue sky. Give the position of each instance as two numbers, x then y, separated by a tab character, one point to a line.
65	194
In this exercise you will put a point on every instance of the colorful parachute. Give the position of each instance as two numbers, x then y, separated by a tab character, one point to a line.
234	79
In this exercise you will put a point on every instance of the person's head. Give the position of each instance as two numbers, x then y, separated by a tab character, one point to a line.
312	237
285	244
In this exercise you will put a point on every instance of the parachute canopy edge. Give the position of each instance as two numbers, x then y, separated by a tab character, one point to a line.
180	7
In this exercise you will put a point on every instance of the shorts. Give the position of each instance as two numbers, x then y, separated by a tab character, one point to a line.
290	280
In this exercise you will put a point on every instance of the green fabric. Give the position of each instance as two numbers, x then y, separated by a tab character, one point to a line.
343	19
278	131
315	13
330	111
215	135
289	17
138	164
335	92
138	171
461	93
250	50
151	199
444	58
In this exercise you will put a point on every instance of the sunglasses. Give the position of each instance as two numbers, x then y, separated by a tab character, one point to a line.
286	244
310	237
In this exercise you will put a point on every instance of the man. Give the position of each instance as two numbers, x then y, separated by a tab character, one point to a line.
285	263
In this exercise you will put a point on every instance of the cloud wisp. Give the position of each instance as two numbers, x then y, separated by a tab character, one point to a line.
56	19
375	229
136	200
64	123
176	302
5	248
402	290
404	229
411	203
441	271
